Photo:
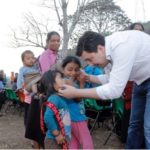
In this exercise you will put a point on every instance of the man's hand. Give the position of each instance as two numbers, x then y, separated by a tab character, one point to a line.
67	91
71	92
83	76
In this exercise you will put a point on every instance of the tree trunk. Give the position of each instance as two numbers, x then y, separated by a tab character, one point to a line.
65	45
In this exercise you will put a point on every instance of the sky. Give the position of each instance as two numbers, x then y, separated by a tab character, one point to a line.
11	16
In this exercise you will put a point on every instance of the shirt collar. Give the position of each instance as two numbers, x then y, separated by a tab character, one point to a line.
51	51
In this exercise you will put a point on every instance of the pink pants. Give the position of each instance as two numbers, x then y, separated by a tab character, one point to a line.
80	137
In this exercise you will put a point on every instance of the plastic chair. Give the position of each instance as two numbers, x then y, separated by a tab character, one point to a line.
12	98
118	110
11	95
92	107
91	103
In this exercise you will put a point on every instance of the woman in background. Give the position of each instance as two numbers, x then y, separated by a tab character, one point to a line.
48	57
136	26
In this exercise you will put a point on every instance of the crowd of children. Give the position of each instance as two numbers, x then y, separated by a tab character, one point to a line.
71	111
65	122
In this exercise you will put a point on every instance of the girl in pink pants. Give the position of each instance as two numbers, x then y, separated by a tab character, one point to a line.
80	135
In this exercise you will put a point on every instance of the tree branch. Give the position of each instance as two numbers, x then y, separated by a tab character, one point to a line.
57	13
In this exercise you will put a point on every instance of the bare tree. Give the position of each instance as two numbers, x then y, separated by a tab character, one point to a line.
32	33
68	26
101	16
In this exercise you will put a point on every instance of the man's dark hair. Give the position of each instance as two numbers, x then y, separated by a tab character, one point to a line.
89	41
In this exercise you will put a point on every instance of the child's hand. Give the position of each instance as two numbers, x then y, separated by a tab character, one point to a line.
34	88
81	82
60	139
82	78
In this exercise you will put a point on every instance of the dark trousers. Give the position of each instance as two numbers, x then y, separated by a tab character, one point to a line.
139	127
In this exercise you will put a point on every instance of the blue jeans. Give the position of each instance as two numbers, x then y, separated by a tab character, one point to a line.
139	127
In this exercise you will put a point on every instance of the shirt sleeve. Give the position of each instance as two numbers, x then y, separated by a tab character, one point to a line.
103	78
49	116
50	120
20	79
123	59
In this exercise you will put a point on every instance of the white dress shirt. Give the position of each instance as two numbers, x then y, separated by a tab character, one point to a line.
129	52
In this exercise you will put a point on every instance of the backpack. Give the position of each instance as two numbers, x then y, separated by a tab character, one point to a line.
58	119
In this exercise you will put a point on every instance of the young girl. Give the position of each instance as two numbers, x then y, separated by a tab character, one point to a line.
50	83
80	137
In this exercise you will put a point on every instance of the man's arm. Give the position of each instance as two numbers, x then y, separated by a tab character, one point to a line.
78	93
93	79
124	55
123	59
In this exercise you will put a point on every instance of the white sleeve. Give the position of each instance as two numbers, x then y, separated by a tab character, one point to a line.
123	59
103	78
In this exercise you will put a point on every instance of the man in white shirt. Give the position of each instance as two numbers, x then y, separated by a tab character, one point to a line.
129	54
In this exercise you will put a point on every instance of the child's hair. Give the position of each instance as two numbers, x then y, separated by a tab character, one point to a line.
70	59
46	85
24	53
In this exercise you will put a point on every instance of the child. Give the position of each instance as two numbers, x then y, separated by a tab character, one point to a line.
92	70
80	137
28	67
50	83
28	60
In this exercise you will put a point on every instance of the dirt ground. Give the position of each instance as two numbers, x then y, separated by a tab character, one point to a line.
12	134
